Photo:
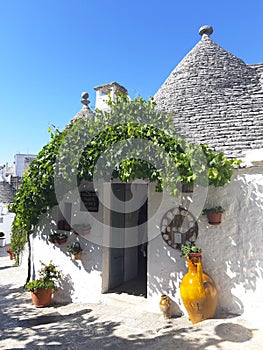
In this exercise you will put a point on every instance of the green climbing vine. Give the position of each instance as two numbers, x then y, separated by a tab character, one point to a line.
76	150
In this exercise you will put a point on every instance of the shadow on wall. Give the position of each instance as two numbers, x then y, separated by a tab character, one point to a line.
65	292
232	252
166	270
170	267
90	261
220	270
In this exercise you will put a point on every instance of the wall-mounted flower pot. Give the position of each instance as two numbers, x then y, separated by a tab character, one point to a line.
214	218
63	225
61	241
58	238
77	256
75	251
214	214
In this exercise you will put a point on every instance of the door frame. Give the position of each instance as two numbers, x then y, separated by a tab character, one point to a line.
107	250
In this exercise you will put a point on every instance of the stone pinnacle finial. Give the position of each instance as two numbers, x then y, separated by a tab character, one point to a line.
85	97
206	30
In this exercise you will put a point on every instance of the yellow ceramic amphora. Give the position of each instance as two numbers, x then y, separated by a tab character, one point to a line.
198	291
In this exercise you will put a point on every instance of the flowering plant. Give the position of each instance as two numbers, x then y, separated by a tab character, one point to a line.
49	277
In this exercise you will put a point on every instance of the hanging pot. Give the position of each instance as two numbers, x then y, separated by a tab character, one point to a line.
77	256
214	218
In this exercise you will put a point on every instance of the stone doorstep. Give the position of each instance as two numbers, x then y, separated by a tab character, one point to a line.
123	300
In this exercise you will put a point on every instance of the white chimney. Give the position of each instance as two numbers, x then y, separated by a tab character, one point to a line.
104	92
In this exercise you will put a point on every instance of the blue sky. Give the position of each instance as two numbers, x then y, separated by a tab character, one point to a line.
52	50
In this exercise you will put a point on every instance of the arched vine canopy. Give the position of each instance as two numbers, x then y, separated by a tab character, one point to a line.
73	154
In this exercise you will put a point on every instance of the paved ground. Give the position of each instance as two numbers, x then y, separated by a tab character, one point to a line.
119	323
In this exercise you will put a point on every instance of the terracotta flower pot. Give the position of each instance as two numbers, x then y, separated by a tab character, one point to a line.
42	297
61	241
77	256
214	219
9	251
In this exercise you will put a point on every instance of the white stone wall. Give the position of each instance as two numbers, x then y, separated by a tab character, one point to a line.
232	252
6	219
21	163
82	279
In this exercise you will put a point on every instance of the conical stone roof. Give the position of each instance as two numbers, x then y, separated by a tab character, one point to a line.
215	98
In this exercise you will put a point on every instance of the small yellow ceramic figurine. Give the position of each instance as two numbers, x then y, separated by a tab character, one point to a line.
166	306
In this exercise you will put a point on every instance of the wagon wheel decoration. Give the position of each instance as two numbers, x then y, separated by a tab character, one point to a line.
179	226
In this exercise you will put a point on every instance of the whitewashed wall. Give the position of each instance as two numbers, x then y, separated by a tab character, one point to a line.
82	279
232	251
6	219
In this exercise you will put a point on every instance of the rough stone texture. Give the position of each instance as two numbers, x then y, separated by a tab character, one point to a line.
206	30
215	98
232	252
7	193
85	113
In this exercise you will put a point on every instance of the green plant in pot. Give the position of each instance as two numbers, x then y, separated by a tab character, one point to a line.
214	214
58	237
75	250
188	250
2	239
42	288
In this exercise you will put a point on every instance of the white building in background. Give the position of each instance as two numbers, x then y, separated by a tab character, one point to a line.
10	177
21	163
13	173
5	172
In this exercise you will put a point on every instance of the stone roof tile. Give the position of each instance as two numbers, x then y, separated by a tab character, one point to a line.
215	98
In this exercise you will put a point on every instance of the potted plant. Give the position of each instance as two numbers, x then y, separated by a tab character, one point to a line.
63	225
58	238
2	239
75	250
214	214
190	250
42	288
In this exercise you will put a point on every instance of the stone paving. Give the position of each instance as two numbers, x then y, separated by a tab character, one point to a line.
120	322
